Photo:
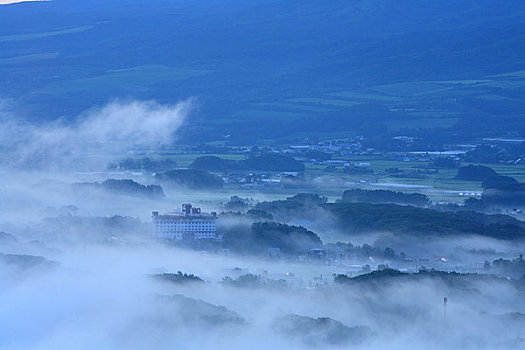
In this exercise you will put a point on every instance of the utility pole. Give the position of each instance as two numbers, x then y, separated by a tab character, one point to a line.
445	300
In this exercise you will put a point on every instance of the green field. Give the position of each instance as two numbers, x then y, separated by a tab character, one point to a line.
325	102
135	78
412	88
365	96
29	36
29	58
396	125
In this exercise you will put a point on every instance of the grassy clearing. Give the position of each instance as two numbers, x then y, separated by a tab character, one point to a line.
325	102
184	160
505	84
461	82
293	107
29	58
135	78
413	88
365	96
29	36
423	123
519	74
257	114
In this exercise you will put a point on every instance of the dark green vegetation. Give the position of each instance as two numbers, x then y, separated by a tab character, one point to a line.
419	221
124	187
269	69
214	163
495	152
178	310
382	278
264	162
400	219
514	268
384	196
253	281
237	204
503	194
475	173
498	180
23	263
190	178
178	278
321	331
265	235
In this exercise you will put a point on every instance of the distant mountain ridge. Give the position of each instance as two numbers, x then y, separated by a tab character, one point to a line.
283	65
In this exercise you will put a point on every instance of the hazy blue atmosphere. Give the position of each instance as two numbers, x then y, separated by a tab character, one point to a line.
356	174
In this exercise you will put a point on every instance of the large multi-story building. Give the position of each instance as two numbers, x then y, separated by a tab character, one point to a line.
188	223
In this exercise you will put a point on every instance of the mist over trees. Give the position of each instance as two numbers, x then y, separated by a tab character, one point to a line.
190	178
260	236
124	187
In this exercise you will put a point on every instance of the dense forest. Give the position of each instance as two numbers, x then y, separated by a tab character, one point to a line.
384	196
264	162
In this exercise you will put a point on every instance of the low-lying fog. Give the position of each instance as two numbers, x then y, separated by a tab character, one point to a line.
105	297
62	287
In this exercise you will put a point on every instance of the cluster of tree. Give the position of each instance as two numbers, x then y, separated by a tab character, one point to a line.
25	262
144	164
7	238
495	153
263	162
297	206
488	176
238	204
505	194
178	309
317	155
178	278
125	187
296	181
380	278
253	281
384	196
261	236
498	180
364	251
320	332
393	171
514	268
358	217
499	194
191	178
475	173
401	219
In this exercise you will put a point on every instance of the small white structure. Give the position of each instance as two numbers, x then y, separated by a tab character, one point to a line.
188	223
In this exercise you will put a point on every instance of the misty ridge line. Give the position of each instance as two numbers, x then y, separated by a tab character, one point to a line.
99	135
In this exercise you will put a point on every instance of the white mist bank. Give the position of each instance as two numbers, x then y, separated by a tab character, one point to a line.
99	136
103	297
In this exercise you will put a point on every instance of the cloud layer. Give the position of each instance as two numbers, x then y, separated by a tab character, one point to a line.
99	136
